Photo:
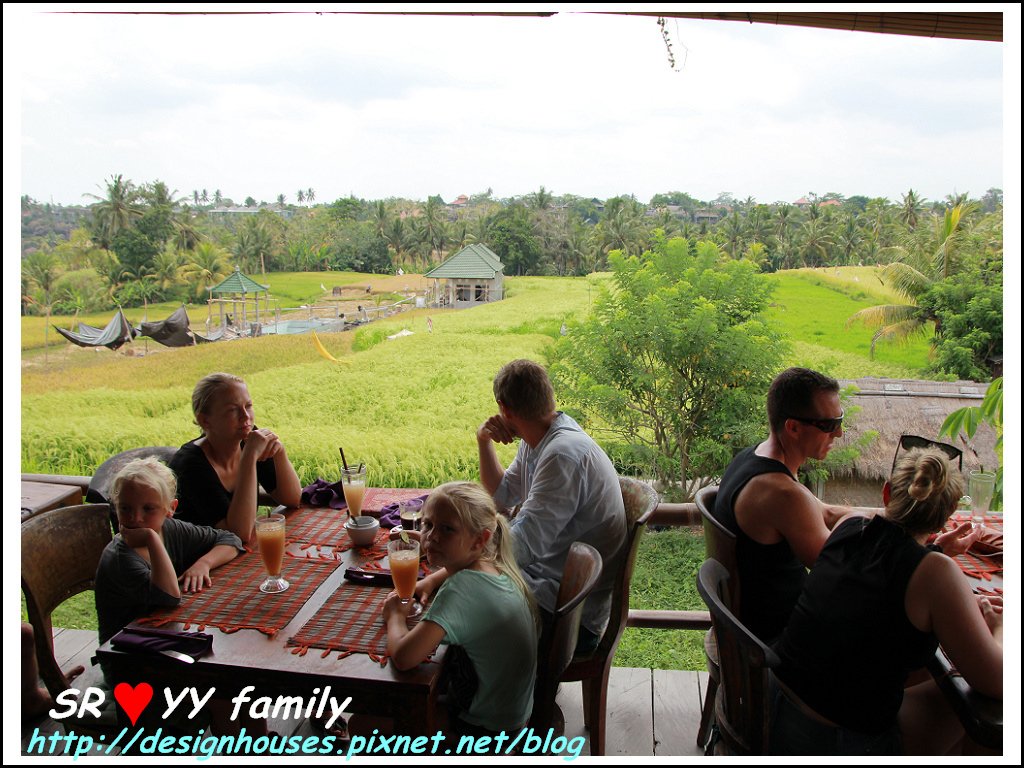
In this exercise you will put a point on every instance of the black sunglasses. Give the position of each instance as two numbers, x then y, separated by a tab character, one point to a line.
828	426
914	441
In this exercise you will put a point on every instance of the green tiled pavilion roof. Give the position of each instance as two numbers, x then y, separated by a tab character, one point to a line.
239	283
474	261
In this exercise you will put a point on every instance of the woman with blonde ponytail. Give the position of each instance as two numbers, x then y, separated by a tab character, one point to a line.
484	607
875	606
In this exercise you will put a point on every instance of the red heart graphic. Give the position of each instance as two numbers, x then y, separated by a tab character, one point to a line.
133	700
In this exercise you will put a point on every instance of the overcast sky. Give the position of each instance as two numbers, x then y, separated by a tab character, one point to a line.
409	106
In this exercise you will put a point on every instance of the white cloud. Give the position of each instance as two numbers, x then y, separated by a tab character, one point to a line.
404	105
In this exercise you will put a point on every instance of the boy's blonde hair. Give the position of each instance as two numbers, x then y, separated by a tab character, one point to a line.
207	389
148	472
476	512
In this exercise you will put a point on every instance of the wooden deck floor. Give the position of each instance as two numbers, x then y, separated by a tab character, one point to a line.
650	712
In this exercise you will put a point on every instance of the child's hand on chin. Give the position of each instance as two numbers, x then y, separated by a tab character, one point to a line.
137	537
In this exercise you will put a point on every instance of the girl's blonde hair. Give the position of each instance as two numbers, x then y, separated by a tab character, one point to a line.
207	389
148	472
923	491
476	512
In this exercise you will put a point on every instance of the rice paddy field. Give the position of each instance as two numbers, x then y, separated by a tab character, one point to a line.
407	407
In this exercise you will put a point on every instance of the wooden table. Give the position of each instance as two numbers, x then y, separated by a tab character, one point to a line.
249	657
42	497
981	716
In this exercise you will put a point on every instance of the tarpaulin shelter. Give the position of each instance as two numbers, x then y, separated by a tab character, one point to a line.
116	334
174	331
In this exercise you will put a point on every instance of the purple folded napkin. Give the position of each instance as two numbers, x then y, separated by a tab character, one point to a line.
152	640
389	515
320	493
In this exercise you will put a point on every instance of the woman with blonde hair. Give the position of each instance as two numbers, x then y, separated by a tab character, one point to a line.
484	607
875	606
220	472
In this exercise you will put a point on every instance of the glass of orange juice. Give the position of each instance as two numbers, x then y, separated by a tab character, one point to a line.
270	537
353	481
404	558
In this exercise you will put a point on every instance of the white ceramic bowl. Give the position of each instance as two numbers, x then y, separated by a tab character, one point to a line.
362	530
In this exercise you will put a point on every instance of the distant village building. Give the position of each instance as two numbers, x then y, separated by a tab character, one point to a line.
895	407
706	216
472	276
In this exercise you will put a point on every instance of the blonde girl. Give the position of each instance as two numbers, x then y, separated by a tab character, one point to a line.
484	606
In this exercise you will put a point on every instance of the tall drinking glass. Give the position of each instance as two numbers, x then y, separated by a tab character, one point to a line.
404	558
980	487
270	537
353	481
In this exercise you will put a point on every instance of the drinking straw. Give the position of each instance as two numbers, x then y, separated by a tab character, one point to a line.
343	462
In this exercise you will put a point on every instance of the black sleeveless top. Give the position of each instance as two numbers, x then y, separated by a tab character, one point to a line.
771	576
849	644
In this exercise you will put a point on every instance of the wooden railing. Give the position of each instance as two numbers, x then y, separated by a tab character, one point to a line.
678	515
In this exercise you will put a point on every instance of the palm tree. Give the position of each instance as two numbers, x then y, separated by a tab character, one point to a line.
301	196
204	196
397	237
910	209
379	213
166	267
310	195
815	242
849	239
39	268
207	266
280	200
218	198
541	199
115	211
923	259
254	244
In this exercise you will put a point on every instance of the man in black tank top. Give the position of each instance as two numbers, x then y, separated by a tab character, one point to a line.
780	525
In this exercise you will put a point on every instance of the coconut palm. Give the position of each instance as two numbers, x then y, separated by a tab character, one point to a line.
926	256
254	244
910	209
310	195
166	267
115	211
815	241
39	269
207	266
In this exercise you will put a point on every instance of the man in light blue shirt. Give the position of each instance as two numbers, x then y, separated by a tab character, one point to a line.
565	486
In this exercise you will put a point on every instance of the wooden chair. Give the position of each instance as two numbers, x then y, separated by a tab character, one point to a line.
60	551
580	575
720	545
742	703
99	487
640	501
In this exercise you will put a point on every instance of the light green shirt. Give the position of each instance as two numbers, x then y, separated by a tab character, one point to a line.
490	618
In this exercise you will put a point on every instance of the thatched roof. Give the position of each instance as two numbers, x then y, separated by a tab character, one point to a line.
893	407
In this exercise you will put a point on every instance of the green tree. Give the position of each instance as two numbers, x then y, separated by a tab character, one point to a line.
512	238
114	212
927	256
254	244
207	266
674	361
910	209
39	269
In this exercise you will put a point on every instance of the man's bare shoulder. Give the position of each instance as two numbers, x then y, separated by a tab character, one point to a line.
769	503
